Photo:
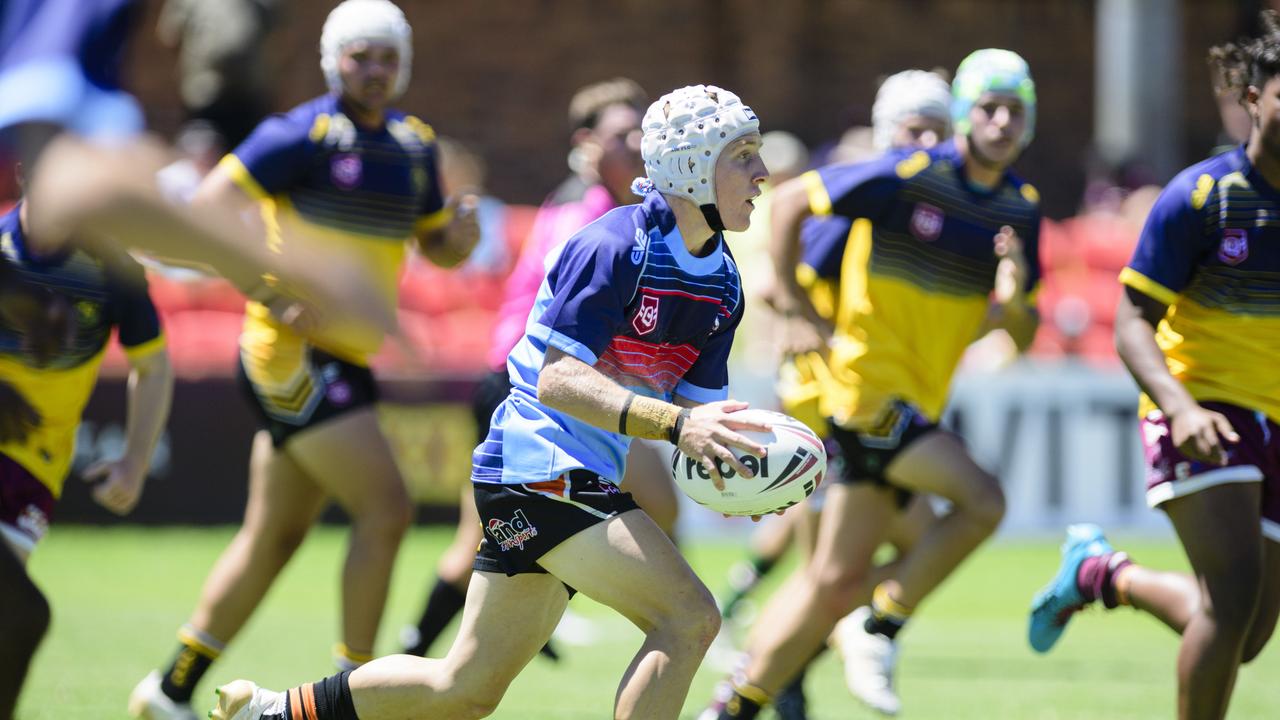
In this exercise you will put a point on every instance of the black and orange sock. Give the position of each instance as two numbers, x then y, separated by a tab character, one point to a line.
888	616
197	651
328	699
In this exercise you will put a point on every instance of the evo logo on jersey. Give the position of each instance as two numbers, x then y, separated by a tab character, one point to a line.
1235	246
642	244
513	533
346	170
645	320
926	222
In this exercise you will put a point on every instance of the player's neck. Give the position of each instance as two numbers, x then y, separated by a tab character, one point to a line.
697	235
365	117
978	171
1266	163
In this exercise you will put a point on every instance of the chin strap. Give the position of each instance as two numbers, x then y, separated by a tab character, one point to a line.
713	217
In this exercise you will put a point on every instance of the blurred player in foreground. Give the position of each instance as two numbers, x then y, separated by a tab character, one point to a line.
936	260
57	312
345	175
1199	329
636	311
605	118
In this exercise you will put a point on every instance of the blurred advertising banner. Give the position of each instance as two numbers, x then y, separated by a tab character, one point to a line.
199	471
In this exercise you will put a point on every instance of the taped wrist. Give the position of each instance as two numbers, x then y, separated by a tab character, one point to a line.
649	418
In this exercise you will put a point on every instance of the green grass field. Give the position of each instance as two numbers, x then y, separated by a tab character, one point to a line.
119	594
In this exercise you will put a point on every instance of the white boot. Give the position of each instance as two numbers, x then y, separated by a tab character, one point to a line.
869	662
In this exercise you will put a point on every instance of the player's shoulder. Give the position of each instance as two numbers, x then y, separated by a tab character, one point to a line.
410	129
1192	188
1022	192
614	233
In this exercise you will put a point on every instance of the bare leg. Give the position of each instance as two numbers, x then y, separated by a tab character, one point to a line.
1173	598
1264	622
349	459
24	619
455	564
939	464
648	479
1219	530
644	577
283	503
505	621
795	623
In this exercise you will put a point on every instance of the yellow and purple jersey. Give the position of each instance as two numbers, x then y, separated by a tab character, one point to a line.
328	185
107	291
908	284
1210	250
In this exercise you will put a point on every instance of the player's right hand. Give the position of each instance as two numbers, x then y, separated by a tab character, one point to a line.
17	417
1199	433
709	433
802	334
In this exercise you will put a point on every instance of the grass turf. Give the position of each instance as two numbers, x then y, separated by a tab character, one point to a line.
119	593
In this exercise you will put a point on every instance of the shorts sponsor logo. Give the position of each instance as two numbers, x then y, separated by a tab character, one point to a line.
926	222
645	320
339	393
1235	246
513	533
346	170
33	522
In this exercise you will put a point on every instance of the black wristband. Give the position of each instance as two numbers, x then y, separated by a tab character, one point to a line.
626	408
674	437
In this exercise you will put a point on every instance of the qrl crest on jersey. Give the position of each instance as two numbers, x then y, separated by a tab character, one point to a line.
1235	246
346	170
645	320
926	222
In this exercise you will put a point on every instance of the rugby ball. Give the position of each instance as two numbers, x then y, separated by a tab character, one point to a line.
788	473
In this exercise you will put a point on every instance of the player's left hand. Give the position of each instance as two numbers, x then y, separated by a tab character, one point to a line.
1011	273
463	232
118	484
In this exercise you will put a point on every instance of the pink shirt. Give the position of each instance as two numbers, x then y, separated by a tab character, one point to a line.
553	225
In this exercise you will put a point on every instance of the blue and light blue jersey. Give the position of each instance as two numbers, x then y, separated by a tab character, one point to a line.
60	63
627	297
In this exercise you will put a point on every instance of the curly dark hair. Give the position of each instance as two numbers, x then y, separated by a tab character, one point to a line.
1247	61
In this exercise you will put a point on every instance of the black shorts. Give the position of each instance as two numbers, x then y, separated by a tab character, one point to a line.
865	453
523	522
328	387
488	395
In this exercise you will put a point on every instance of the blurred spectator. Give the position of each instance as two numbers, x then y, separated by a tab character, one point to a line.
221	63
594	157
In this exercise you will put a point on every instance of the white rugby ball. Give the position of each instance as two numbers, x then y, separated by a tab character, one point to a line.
794	465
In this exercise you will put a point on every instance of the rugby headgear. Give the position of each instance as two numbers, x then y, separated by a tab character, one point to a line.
373	20
684	133
910	92
992	70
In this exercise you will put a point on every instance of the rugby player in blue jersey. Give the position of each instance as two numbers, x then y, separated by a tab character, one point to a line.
347	176
935	260
629	337
57	313
1198	327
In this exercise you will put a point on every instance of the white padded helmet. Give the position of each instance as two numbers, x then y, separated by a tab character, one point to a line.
910	92
684	133
376	20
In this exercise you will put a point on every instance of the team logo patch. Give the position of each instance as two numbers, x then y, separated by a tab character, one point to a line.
513	533
346	170
339	393
926	222
645	320
642	244
1235	246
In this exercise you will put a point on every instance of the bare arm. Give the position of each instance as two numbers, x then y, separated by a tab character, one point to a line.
150	394
705	432
449	245
1195	430
805	330
1011	309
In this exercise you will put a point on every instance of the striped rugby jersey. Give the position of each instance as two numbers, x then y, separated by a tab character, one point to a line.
909	284
625	296
1210	250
